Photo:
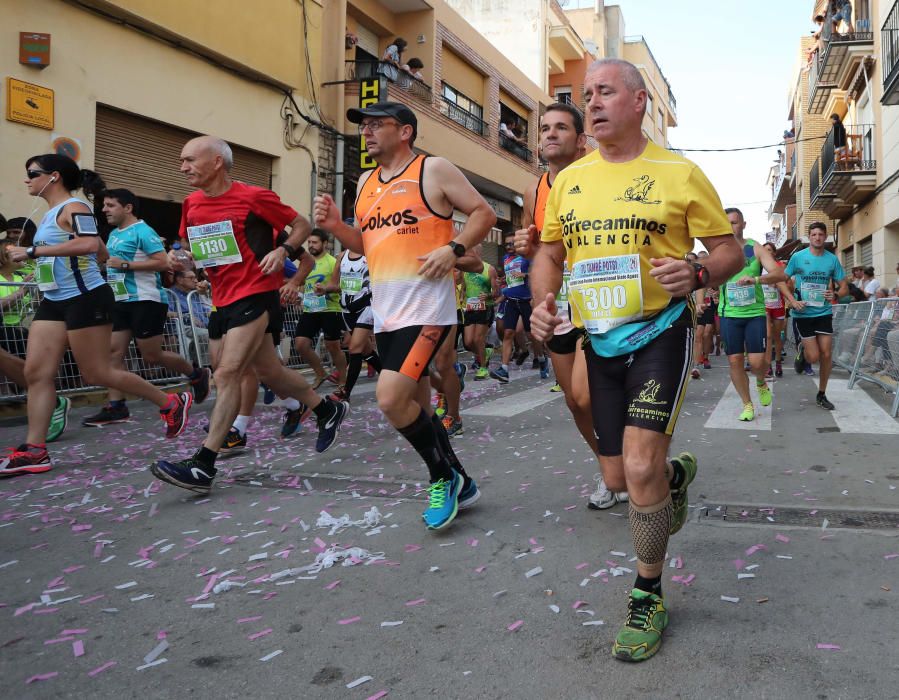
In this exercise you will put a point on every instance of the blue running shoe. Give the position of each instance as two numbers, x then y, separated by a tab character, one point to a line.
461	370
329	427
501	375
190	474
544	368
469	494
443	502
268	396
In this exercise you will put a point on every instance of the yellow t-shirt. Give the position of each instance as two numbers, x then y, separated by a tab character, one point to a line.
614	217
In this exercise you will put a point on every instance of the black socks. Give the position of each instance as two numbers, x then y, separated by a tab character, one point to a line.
422	435
649	585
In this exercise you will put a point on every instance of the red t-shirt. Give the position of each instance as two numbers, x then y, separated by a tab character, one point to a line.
256	216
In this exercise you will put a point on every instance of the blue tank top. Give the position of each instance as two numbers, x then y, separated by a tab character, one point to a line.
74	275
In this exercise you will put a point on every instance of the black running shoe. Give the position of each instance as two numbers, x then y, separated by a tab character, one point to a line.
190	474
329	427
821	400
521	357
293	420
176	417
200	385
107	415
799	360
233	441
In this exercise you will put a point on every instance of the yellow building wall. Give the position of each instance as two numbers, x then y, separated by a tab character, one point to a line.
462	77
138	74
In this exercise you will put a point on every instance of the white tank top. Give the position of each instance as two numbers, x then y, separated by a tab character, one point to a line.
354	280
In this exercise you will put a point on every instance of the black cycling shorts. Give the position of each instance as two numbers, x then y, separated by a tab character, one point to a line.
311	324
566	343
93	308
244	311
145	319
644	389
483	317
410	350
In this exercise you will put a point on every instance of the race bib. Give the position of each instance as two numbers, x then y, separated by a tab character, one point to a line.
813	294
43	273
772	296
313	302
607	292
351	283
514	276
474	304
562	296
213	245
116	280
738	295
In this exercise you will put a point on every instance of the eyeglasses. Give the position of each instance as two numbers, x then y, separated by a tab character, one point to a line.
35	173
375	125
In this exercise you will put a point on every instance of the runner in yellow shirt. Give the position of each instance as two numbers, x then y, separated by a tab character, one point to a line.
623	218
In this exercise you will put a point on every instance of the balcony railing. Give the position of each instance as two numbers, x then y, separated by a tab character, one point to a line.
357	70
814	181
793	157
855	155
818	89
463	117
513	146
889	43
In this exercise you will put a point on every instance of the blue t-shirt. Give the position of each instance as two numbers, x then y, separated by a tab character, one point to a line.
72	275
813	275
136	244
516	269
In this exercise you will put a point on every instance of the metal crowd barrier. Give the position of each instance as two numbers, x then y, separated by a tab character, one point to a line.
866	343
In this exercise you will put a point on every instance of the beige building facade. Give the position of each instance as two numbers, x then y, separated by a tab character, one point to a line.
132	80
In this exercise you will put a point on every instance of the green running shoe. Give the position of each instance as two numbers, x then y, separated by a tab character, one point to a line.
679	496
59	419
748	412
481	374
764	394
556	388
641	635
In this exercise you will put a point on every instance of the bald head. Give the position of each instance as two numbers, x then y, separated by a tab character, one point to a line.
629	73
206	161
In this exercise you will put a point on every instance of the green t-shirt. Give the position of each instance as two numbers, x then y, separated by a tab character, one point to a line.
14	315
477	283
739	301
320	274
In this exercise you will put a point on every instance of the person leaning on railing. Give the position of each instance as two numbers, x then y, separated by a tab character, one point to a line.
14	300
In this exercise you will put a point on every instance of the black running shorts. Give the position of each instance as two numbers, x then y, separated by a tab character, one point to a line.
566	343
93	308
247	310
410	350
813	326
311	324
145	319
644	389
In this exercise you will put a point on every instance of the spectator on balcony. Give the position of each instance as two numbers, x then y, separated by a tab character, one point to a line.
842	11
413	67
840	147
870	284
391	61
511	129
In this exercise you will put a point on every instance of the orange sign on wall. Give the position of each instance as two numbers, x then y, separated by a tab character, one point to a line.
30	104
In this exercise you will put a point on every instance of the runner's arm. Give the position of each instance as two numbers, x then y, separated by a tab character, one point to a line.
459	193
157	262
333	284
470	262
326	215
678	277
546	280
768	263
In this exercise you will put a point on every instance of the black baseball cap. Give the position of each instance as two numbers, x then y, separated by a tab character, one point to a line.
396	110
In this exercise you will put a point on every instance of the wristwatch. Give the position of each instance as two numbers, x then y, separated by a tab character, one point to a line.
702	276
30	252
291	251
458	248
126	266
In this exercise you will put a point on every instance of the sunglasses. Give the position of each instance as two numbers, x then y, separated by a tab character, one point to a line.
36	173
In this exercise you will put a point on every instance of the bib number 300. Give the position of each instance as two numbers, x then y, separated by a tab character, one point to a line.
607	292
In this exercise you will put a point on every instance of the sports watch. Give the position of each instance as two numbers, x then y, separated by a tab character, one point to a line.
30	252
702	276
458	248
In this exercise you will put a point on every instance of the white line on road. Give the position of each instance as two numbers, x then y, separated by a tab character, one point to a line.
516	403
730	405
855	411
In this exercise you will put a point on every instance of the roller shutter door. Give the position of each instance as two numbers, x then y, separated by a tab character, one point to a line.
866	253
368	40
142	155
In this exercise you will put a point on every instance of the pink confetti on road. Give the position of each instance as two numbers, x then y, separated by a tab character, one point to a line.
78	648
755	548
100	669
349	620
257	635
42	677
781	538
417	601
891	556
331	586
377	696
515	625
249	619
412	548
480	569
829	647
577	604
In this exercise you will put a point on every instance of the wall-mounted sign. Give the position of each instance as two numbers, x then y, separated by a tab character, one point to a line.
66	146
30	104
34	49
369	93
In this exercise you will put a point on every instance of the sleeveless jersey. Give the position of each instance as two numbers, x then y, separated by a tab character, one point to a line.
73	275
398	227
477	283
320	274
354	281
543	190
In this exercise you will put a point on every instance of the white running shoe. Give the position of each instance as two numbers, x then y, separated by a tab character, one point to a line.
602	498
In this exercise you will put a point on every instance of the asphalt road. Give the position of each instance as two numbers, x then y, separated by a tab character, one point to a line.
783	584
